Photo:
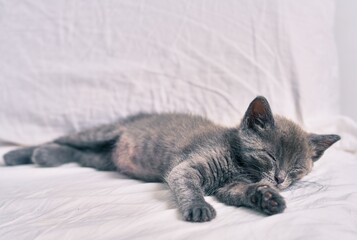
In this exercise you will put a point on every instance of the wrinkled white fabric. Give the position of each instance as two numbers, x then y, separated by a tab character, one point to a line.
70	202
68	65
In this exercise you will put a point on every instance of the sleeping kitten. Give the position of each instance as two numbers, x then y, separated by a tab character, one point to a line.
242	166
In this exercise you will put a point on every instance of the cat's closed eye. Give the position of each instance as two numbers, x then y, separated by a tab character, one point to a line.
297	172
271	156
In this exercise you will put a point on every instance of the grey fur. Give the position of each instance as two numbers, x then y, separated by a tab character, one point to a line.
242	166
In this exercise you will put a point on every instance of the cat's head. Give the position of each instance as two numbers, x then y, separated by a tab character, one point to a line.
275	149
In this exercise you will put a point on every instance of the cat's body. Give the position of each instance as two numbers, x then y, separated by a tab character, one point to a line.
241	166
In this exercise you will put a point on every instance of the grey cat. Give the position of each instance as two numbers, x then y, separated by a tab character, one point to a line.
245	165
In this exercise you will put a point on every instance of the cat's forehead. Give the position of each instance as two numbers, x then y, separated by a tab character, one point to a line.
291	139
288	127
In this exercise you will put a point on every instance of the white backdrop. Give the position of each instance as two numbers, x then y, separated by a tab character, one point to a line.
346	36
67	65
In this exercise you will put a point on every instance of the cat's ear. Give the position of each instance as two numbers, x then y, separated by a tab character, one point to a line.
258	115
320	143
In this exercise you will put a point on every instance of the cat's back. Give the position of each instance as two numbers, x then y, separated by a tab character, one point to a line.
165	123
167	132
150	143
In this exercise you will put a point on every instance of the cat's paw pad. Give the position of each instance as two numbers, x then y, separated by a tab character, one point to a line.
268	200
201	212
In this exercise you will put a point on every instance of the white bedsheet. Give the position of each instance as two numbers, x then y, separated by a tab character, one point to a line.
67	65
70	202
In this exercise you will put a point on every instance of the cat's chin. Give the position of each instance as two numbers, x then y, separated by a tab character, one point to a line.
273	184
282	186
276	186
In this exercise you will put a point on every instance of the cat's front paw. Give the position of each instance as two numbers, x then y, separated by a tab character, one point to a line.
268	200
199	212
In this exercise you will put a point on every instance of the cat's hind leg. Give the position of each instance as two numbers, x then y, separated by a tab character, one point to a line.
53	154
19	156
90	148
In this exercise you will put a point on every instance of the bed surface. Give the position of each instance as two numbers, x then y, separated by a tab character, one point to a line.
71	202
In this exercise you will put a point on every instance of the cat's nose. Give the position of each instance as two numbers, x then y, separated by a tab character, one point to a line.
279	178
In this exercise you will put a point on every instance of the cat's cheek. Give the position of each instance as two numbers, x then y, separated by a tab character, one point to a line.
285	184
297	175
293	176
